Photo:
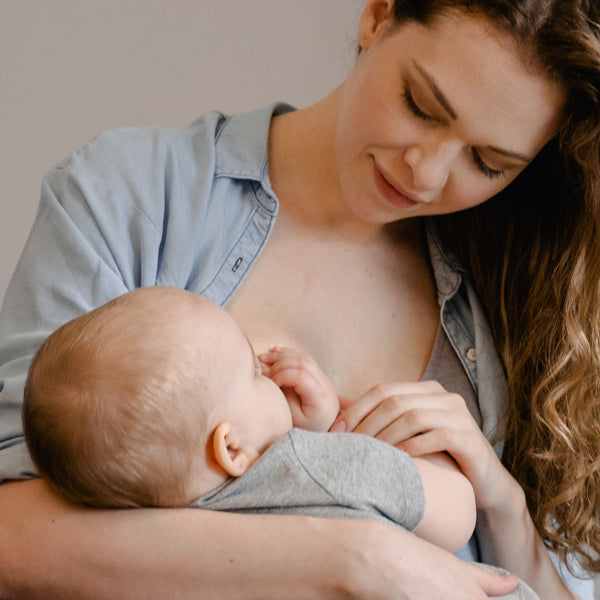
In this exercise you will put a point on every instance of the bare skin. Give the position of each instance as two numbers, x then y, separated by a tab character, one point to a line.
90	554
345	288
335	281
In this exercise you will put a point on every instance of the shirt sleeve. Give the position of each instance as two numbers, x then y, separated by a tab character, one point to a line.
364	473
91	241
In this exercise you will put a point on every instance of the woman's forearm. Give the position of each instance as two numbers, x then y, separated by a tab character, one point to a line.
508	538
49	549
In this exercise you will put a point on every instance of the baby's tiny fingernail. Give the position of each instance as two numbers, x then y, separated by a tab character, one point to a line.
338	427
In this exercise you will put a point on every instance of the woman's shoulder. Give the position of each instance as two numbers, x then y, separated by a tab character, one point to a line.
152	161
142	156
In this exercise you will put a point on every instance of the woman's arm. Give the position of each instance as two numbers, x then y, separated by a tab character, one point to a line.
502	529
49	549
423	418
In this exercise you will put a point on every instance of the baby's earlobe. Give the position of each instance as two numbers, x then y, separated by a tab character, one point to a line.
232	457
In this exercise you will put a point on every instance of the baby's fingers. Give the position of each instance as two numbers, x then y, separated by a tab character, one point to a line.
271	356
289	377
286	358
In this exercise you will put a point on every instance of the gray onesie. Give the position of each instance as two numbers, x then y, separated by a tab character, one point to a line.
336	475
333	475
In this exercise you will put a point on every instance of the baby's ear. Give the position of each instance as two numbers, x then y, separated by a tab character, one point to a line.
233	457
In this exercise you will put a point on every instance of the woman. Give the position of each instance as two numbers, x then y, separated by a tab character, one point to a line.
320	229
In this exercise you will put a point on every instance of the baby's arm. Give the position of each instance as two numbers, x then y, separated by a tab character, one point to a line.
450	510
312	398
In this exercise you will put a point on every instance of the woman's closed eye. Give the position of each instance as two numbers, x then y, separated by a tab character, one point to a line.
414	107
421	114
487	171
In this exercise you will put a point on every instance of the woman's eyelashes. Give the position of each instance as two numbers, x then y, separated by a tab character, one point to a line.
420	114
487	171
414	107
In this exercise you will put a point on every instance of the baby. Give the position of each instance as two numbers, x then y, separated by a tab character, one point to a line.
158	399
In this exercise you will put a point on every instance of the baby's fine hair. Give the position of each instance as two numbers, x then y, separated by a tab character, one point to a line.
107	404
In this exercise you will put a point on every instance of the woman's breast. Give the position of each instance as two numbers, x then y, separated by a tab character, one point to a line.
365	321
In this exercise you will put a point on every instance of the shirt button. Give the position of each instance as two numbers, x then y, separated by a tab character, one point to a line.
472	354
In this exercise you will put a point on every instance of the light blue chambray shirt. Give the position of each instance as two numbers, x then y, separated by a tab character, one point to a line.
189	208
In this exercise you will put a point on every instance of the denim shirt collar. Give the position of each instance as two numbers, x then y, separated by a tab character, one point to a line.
447	270
241	147
465	323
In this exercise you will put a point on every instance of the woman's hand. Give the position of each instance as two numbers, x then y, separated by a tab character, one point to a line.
312	398
395	564
423	418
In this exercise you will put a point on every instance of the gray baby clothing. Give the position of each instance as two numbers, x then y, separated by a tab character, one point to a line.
336	475
333	475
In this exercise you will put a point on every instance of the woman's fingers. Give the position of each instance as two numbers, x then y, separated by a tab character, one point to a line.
493	584
423	419
383	404
410	428
402	566
356	412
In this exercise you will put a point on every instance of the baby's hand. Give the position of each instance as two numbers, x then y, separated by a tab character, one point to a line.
313	402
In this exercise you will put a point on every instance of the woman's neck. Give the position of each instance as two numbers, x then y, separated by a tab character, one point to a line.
303	171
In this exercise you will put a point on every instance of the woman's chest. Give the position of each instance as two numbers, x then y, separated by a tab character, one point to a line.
366	313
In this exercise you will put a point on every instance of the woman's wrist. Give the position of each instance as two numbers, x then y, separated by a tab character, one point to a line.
508	538
509	503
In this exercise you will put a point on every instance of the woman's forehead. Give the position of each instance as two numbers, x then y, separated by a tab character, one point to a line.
484	78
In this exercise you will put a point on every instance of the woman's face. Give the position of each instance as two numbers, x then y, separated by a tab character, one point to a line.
437	119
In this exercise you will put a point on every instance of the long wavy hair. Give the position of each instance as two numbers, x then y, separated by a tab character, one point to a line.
533	252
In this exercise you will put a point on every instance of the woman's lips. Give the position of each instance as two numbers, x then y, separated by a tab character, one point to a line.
391	193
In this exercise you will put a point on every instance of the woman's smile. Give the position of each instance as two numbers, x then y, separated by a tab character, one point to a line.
393	193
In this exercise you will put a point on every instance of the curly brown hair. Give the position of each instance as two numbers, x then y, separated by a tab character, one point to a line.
533	252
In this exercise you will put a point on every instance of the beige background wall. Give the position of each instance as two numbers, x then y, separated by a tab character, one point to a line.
70	69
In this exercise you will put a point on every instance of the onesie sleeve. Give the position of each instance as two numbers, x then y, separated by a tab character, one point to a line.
365	474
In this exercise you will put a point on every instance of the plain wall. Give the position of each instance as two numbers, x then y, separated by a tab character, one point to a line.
70	69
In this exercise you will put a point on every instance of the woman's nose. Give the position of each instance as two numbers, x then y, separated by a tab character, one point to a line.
431	162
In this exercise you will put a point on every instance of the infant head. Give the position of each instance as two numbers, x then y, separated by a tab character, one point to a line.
121	403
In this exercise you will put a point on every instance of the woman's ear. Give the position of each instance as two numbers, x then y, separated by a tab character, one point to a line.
233	458
375	17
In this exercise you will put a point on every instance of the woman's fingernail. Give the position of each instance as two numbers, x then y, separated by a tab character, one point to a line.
338	427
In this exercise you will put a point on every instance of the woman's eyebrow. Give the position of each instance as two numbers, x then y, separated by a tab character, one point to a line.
510	154
435	90
445	104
